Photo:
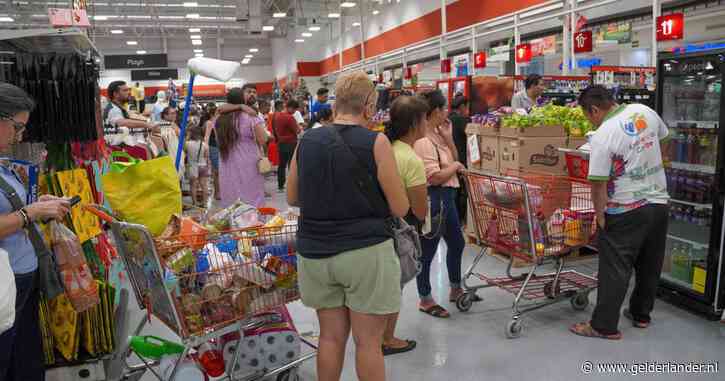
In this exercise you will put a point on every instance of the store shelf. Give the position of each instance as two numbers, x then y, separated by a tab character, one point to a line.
689	233
696	205
709	169
698	124
667	277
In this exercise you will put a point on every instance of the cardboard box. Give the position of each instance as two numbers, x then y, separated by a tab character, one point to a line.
532	154
534	132
482	129
489	153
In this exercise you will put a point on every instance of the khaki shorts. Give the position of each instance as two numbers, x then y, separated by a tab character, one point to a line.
365	280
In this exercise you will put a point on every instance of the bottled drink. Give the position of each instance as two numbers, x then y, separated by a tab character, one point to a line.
705	151
693	146
211	360
681	142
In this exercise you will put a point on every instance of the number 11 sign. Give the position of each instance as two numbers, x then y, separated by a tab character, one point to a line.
670	27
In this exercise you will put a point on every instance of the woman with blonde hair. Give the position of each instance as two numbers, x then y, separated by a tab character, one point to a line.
345	180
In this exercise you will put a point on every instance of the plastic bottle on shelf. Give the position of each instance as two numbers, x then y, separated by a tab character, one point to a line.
211	360
681	143
693	145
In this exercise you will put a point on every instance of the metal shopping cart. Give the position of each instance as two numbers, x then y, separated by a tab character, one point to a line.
538	219
223	284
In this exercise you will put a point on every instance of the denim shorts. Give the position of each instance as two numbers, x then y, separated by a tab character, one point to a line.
214	156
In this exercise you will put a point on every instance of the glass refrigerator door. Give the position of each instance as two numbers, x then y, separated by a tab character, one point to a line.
691	95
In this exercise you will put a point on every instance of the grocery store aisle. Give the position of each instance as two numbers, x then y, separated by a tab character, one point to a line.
472	346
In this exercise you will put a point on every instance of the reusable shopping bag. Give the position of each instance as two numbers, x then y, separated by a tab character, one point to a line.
7	293
144	192
77	278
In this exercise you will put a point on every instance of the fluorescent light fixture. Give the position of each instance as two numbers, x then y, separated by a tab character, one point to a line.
279	15
100	18
356	23
195	37
191	4
314	28
306	34
347	4
248	56
192	16
245	61
299	40
131	43
375	11
140	52
253	50
198	51
196	42
268	28
116	31
194	30
334	15
199	55
6	19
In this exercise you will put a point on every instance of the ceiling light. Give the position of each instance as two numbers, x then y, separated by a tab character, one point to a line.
199	55
131	43
279	15
314	28
196	42
140	52
192	16
253	50
198	51
299	40
268	28
347	4
194	30
195	37
116	31
248	56
306	34
245	61
191	5
375	11
356	24
100	18
6	19
334	15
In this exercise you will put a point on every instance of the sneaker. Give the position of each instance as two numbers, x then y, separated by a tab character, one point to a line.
635	323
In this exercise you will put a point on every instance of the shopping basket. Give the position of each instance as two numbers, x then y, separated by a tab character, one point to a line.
577	162
535	218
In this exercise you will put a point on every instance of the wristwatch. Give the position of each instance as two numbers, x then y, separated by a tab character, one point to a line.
26	219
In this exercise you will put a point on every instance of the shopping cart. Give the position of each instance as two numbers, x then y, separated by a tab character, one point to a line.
207	286
537	219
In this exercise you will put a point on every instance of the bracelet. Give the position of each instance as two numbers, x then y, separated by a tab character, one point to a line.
25	217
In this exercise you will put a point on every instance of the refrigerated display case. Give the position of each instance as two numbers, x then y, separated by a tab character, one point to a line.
690	101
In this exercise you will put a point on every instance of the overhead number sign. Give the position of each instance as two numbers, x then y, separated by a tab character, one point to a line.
523	53
583	42
670	27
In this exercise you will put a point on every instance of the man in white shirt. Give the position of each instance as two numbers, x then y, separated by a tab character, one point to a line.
115	114
293	107
527	98
629	191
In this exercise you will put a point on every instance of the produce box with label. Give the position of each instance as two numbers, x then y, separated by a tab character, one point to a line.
538	154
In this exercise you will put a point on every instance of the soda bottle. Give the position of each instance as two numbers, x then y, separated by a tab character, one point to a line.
693	145
211	360
681	146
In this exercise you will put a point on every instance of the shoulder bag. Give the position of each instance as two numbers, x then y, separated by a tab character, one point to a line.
49	279
405	238
264	166
435	224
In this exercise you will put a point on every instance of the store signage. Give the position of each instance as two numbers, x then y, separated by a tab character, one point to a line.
408	73
583	42
60	18
523	53
136	61
614	33
461	65
584	63
543	46
479	60
689	48
499	54
670	27
446	66
155	74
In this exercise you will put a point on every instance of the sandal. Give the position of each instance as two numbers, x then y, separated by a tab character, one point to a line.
435	311
586	330
636	323
474	298
411	344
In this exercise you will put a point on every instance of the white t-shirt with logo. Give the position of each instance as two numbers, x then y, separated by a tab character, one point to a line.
626	152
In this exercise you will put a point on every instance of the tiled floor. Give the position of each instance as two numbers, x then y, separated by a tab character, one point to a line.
472	346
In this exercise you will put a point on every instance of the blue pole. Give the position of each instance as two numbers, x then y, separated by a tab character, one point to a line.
184	120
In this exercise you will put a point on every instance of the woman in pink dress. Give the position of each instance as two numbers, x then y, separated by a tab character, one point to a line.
240	137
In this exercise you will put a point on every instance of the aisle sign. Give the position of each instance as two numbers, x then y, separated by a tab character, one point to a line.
446	66
154	74
670	27
523	53
135	61
583	42
479	61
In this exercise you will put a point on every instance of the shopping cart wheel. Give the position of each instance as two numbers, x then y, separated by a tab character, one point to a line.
464	302
514	329
580	301
289	375
549	292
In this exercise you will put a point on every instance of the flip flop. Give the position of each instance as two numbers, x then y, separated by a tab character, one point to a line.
636	323
435	311
586	330
411	344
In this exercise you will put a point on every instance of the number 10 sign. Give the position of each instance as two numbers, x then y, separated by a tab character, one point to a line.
670	27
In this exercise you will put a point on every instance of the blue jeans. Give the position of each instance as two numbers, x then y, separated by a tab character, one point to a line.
21	348
453	236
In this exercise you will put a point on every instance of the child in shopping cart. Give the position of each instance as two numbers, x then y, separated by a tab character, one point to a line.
197	165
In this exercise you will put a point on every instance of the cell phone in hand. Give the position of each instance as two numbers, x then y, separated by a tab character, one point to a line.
74	201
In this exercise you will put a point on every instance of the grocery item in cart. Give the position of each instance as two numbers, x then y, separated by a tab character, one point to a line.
80	287
237	216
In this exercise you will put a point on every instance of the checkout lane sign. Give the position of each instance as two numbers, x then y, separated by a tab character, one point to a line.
670	27
583	42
